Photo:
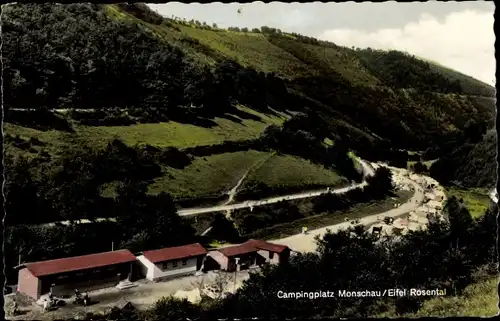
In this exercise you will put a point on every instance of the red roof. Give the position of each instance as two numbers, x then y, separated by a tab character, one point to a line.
244	248
252	246
174	253
77	263
263	245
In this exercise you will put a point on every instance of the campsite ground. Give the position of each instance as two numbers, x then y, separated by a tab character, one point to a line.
142	296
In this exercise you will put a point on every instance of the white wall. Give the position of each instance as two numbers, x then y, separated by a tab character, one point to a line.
267	256
147	267
219	258
166	269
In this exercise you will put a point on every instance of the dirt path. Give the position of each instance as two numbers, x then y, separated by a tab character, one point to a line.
232	193
367	168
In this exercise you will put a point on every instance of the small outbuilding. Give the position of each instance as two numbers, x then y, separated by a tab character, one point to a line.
123	304
249	254
170	262
85	273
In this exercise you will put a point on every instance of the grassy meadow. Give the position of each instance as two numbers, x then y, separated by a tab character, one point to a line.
216	175
286	170
478	300
476	200
163	134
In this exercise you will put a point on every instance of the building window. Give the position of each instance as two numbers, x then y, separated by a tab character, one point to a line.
184	261
271	255
174	263
164	265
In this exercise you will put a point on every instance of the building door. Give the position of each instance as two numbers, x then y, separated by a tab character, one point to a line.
199	262
231	265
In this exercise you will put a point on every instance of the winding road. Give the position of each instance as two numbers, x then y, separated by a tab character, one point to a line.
368	170
307	243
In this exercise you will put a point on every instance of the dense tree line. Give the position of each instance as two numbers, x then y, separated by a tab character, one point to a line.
89	66
270	30
144	222
143	12
68	187
401	70
478	171
407	130
51	61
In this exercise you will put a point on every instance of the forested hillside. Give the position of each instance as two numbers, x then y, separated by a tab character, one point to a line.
479	169
187	99
125	56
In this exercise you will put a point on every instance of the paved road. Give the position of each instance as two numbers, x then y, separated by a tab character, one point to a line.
368	170
306	242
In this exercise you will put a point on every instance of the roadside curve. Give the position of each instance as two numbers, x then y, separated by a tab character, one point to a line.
307	243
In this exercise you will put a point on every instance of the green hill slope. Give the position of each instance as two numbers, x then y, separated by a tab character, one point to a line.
160	83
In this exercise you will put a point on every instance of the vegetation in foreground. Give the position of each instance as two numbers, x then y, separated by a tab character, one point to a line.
478	300
459	267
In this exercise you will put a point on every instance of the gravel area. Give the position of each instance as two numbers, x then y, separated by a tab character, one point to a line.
142	296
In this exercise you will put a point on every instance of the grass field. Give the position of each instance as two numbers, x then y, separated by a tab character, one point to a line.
476	200
327	58
355	160
211	175
215	174
156	134
179	135
286	170
249	49
206	176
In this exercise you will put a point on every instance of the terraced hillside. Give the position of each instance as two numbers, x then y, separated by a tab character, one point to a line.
199	104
